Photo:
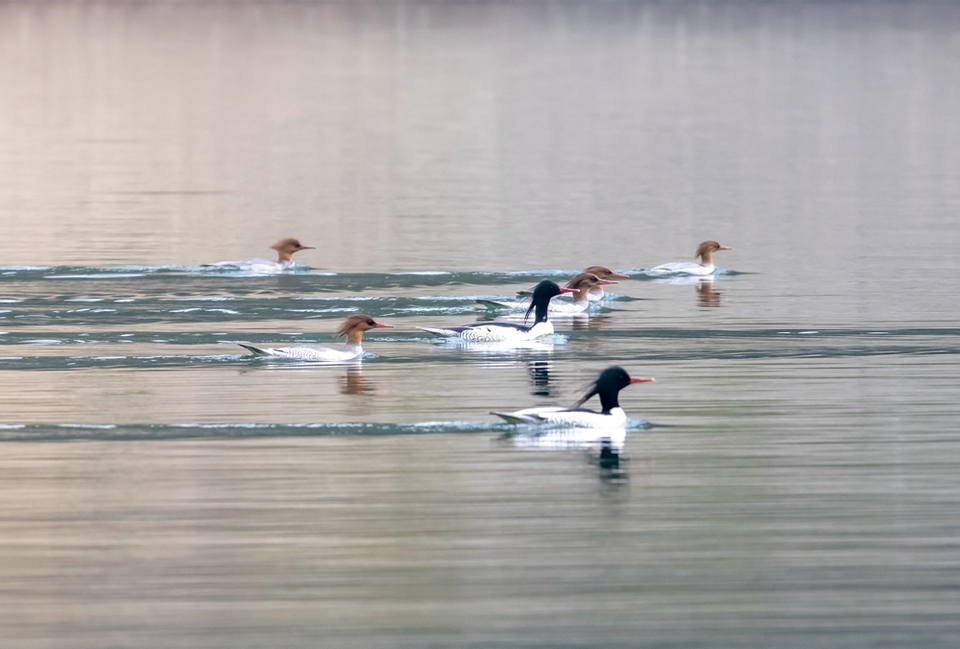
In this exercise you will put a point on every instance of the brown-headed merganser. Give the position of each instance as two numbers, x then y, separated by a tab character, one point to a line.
704	267
596	294
607	387
353	328
285	249
508	331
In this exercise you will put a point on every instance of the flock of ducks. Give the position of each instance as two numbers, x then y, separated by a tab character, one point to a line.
586	287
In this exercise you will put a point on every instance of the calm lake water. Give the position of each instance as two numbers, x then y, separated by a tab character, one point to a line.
791	479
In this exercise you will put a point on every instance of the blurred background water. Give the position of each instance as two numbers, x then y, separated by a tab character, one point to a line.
791	479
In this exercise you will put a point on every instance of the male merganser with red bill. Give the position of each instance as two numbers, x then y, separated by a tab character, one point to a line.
604	273
607	387
285	249
705	267
581	284
508	331
353	328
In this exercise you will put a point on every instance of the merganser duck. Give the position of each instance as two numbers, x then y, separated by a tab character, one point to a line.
607	387
582	285
353	328
596	294
508	331
705	267
285	249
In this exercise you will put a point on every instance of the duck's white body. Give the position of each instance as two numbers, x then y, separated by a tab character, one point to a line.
575	417
683	268
495	332
255	266
557	307
596	295
348	352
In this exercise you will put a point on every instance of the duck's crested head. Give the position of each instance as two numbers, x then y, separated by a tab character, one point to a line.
604	273
608	385
359	323
706	250
616	378
588	281
288	246
584	281
542	294
548	289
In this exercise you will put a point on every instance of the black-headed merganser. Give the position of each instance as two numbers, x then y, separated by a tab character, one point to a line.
607	387
508	331
353	328
704	267
285	249
582	285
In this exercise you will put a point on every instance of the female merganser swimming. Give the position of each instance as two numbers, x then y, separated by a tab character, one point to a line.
285	249
705	267
353	328
508	331
596	294
582	285
607	387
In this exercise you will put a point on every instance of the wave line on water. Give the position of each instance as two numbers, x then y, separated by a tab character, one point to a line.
242	430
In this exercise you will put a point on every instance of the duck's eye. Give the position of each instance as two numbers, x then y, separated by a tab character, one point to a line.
371	323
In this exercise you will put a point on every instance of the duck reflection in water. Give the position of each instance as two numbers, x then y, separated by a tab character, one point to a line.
587	323
613	468
604	447
520	348
354	383
706	296
540	375
588	439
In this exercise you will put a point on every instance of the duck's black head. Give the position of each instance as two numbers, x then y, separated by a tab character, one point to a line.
542	294
608	386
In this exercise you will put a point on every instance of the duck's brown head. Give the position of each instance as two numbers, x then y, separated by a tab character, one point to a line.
286	247
354	326
604	273
706	250
585	282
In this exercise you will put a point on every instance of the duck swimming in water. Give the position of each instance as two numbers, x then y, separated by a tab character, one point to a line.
353	328
285	249
704	267
508	331
607	387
